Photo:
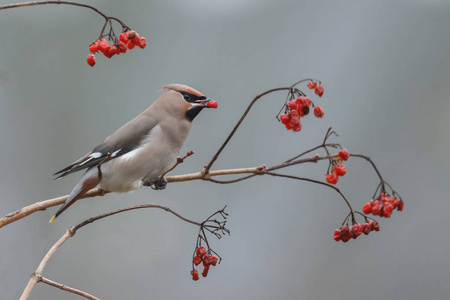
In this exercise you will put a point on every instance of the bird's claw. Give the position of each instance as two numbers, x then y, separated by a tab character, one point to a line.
156	183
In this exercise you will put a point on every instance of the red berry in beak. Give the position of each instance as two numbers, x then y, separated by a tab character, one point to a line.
212	104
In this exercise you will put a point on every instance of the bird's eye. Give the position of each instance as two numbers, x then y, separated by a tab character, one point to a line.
187	97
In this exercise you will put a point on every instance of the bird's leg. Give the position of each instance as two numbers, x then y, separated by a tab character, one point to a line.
156	183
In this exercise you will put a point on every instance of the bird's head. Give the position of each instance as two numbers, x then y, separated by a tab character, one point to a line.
192	100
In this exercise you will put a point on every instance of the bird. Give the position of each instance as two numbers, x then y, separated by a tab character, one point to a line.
141	150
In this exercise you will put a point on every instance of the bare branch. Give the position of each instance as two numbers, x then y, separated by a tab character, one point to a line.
67	288
35	276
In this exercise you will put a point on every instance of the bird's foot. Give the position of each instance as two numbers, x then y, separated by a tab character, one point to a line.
156	183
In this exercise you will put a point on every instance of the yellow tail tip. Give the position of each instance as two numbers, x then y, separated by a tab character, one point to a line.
52	219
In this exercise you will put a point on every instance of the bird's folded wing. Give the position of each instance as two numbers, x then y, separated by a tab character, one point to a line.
124	140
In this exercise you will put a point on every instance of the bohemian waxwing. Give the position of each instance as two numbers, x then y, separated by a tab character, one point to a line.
141	150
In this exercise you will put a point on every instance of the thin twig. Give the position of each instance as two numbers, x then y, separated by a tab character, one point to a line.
67	288
208	167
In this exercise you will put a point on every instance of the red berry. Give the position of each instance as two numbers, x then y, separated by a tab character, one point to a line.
312	85
285	118
345	234
337	235
201	251
340	170
288	126
212	104
93	48
111	52
318	111
307	101
357	229
142	43
207	260
343	154
136	40
295	120
376	226
104	46
122	47
367	208
195	275
91	60
332	178
376	207
123	37
366	228
387	210
394	201
400	206
319	90
215	259
297	127
292	105
197	260
130	45
131	34
205	271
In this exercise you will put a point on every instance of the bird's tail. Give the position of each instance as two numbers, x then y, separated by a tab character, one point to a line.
85	184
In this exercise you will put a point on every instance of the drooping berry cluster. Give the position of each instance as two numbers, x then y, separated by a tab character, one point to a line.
337	168
383	206
127	41
299	106
207	259
207	256
345	233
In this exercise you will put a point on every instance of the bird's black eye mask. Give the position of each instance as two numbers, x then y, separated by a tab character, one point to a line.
192	98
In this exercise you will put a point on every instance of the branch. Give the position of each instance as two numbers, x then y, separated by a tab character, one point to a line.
37	275
67	288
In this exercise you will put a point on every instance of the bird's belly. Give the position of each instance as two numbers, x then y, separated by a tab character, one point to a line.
126	172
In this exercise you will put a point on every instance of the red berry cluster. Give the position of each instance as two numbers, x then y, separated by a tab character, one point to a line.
338	169
345	233
207	259
300	107
383	206
318	89
127	40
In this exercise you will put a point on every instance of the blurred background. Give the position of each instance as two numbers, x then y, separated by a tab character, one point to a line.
385	66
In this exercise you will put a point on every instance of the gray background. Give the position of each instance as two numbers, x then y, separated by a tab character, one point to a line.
385	66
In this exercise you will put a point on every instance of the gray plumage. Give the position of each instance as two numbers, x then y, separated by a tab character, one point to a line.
142	149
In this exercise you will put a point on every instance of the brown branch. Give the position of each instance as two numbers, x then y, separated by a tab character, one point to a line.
43	205
67	288
208	167
37	275
33	3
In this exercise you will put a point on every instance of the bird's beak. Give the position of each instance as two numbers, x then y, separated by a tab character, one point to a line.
208	102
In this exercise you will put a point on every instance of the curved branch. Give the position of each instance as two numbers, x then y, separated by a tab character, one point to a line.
208	167
33	3
37	275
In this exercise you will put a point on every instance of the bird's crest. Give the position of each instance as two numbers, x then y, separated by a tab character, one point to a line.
182	88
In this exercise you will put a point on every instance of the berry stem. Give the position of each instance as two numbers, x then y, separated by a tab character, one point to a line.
371	162
208	167
315	181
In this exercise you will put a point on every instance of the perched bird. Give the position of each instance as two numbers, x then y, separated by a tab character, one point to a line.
141	150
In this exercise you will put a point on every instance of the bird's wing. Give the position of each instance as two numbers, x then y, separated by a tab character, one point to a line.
124	140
